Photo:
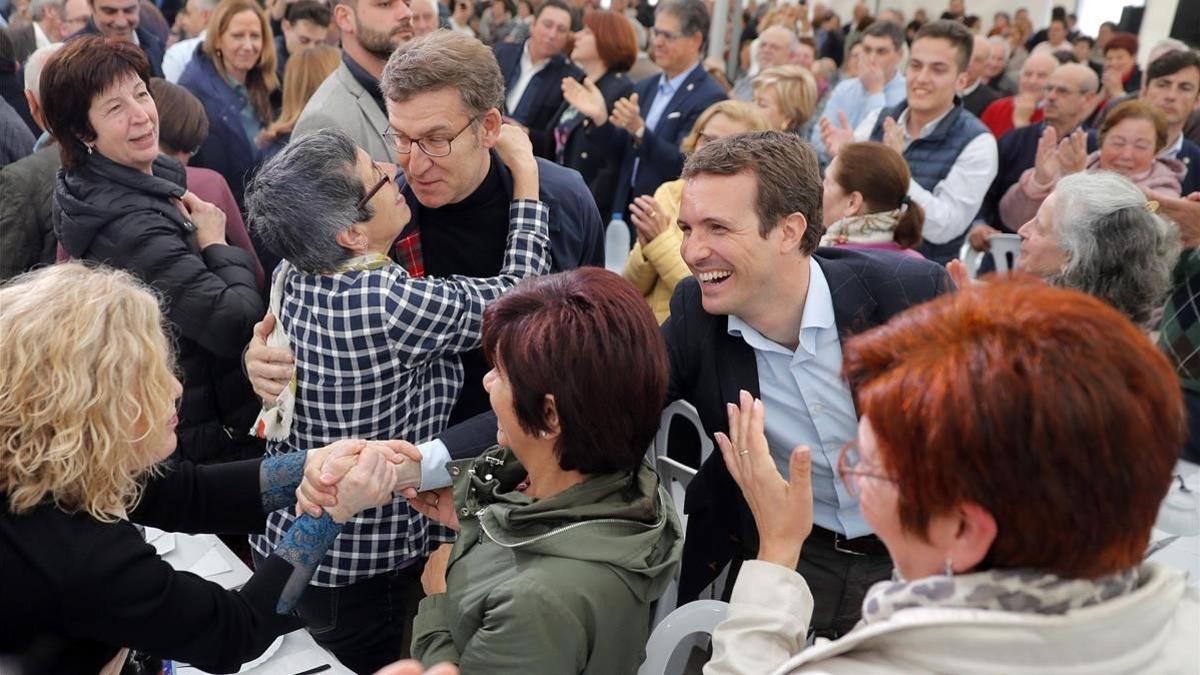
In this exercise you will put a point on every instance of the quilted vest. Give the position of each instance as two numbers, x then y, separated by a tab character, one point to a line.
931	158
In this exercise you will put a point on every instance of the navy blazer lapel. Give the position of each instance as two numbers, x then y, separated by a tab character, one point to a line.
646	99
853	304
737	367
681	95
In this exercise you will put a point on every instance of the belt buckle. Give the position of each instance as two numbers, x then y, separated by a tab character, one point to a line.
837	545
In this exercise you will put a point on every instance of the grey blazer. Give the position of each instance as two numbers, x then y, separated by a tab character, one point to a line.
342	102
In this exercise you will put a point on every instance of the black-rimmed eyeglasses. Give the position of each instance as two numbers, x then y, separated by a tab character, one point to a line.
377	187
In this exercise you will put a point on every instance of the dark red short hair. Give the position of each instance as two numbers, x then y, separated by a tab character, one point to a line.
1045	406
1126	41
587	338
84	68
616	43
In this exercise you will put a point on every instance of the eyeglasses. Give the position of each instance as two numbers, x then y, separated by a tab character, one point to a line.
433	147
1062	91
851	469
371	193
665	34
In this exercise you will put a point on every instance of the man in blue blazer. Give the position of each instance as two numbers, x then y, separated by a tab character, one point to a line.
766	312
648	126
533	72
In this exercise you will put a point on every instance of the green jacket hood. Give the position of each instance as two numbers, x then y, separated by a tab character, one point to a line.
625	520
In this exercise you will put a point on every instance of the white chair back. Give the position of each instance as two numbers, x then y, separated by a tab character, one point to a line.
679	408
695	618
675	477
1004	251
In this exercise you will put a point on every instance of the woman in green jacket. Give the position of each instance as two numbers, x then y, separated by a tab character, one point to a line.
565	534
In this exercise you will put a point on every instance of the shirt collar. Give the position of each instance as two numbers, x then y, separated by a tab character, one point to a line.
971	89
527	59
925	130
672	85
39	36
818	316
1172	152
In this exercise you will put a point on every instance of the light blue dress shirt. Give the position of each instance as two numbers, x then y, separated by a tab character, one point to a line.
851	98
666	91
807	401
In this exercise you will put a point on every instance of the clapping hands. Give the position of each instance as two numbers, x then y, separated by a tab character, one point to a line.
587	99
834	136
627	115
1056	159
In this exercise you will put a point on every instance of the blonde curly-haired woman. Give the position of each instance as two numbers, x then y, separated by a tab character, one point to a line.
87	413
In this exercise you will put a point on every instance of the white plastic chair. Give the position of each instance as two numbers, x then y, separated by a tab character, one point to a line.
679	408
1004	245
699	617
675	477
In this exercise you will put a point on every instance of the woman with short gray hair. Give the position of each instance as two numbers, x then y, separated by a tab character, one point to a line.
1096	233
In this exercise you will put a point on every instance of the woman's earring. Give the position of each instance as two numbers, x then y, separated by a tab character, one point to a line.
89	148
948	570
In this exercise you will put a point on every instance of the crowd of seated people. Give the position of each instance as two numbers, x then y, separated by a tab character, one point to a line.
323	277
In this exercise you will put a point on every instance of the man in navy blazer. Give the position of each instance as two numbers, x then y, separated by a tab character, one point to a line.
533	72
765	312
648	127
121	20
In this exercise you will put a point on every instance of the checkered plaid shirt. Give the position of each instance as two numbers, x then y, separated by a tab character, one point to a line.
376	358
1180	336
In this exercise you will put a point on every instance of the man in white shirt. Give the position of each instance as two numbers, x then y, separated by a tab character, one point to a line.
193	21
950	153
44	30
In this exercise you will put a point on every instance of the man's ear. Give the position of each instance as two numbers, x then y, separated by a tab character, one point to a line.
791	229
35	109
489	131
961	82
353	239
343	16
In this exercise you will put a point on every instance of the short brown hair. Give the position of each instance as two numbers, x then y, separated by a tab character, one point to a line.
738	111
261	80
881	176
1136	110
446	59
616	43
592	324
79	72
785	169
953	32
186	127
1039	404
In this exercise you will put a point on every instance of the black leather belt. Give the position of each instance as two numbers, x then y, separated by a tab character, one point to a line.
865	545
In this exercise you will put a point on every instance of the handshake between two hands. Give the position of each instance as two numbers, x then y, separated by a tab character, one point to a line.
349	476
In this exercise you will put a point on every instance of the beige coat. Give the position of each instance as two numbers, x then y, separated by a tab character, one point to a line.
342	102
1152	630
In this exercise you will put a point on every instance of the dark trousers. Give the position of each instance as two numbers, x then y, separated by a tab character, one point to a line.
368	624
839	581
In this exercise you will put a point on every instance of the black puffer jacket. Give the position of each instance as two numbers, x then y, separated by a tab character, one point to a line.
123	218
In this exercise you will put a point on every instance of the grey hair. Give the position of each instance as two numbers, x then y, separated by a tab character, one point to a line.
1117	249
37	8
692	14
303	230
33	68
445	59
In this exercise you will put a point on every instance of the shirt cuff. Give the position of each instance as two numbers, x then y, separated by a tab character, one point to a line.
434	457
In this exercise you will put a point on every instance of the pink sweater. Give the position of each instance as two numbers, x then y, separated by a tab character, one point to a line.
1021	202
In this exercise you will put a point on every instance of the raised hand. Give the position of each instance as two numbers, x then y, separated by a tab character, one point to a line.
783	509
870	76
627	115
833	136
893	135
208	219
1024	106
1046	170
586	98
648	218
1072	154
516	151
958	273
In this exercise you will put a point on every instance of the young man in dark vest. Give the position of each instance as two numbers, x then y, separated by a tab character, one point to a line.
951	154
